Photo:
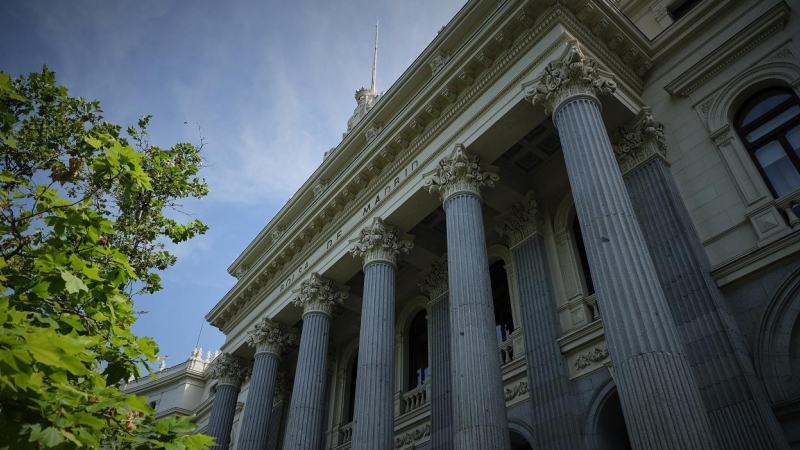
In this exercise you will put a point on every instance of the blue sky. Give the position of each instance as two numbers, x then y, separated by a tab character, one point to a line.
270	82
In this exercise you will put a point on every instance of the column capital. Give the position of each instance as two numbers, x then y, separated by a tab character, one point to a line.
229	369
380	242
433	281
520	222
572	75
272	337
319	294
460	172
638	142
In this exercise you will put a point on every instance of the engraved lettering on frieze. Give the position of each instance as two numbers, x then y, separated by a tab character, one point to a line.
637	143
411	436
390	186
594	356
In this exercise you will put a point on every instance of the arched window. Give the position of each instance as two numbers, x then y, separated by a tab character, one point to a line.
418	368
503	317
352	397
768	124
587	274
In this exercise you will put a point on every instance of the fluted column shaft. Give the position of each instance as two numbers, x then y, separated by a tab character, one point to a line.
555	411
740	414
659	397
220	422
307	410
256	415
441	382
479	410
373	421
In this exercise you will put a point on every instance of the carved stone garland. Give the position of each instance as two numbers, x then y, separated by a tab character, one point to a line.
637	143
229	369
434	280
271	337
572	76
460	172
319	294
380	242
520	222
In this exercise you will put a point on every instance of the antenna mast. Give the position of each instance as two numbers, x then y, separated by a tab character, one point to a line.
373	88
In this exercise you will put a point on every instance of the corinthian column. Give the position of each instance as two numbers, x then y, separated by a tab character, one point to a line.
373	421
659	397
479	419
317	296
434	283
738	409
230	371
553	401
270	339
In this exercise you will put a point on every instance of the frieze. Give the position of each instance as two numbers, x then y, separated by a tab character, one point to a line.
595	356
412	436
520	388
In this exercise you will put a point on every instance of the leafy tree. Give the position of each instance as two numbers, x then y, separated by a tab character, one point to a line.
82	230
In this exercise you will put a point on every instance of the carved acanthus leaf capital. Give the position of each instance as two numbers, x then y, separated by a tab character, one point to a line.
433	281
229	369
380	242
271	337
521	221
637	143
575	74
460	172
319	294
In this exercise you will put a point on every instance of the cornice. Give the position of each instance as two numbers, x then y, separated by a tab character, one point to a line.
724	55
399	142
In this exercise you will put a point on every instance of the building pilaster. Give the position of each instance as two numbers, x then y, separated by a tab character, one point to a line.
317	296
433	282
373	423
230	371
740	414
659	396
270	339
553	403
479	409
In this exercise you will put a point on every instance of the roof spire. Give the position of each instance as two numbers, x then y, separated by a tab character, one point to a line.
373	87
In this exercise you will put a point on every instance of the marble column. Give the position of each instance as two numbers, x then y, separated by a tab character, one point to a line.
479	407
230	371
373	423
317	296
554	407
270	340
737	405
433	282
659	396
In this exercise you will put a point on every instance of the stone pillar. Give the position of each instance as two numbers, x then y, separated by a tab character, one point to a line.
373	423
659	396
737	405
231	372
554	407
479	407
270	340
317	296
434	283
280	411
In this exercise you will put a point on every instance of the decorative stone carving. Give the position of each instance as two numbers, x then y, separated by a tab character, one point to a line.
387	154
520	389
282	388
504	40
574	75
433	110
380	242
417	126
438	62
373	131
277	233
458	173
466	78
520	222
272	337
484	59
594	356
411	436
449	94
401	141
229	369
319	294
635	144
320	187
525	19
600	26
433	281
615	41
241	271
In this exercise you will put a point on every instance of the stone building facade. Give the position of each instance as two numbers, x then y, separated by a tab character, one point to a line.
569	224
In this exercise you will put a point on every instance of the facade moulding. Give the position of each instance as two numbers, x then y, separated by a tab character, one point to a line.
280	261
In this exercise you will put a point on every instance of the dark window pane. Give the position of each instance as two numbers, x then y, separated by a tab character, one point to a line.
587	274
773	123
793	136
763	107
504	320
418	350
778	168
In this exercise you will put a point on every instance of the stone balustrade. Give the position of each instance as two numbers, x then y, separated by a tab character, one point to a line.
417	397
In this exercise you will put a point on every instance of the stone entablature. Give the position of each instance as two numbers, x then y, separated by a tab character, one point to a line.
375	173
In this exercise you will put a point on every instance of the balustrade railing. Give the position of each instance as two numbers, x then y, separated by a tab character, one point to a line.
417	397
507	351
347	432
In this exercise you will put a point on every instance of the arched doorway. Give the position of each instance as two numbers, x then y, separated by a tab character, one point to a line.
518	442
611	431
